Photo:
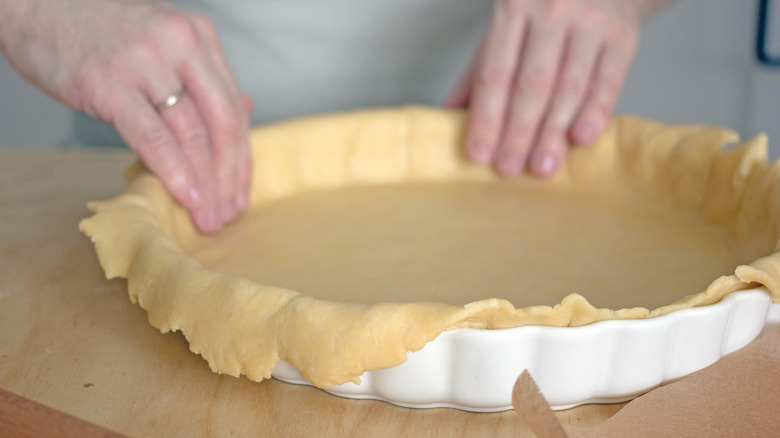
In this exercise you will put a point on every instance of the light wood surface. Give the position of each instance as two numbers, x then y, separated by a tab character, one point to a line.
71	340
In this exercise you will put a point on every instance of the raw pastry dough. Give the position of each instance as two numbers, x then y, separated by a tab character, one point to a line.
458	242
370	234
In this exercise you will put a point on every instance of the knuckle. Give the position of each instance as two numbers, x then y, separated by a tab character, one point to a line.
195	136
156	141
179	30
494	77
232	121
623	33
606	87
535	82
571	87
174	173
203	24
592	17
483	125
150	138
554	9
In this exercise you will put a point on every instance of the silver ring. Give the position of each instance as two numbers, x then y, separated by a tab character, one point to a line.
170	101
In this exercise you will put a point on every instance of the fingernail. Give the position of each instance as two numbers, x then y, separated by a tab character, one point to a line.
194	195
479	152
547	166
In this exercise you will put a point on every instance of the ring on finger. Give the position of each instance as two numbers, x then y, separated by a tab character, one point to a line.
170	101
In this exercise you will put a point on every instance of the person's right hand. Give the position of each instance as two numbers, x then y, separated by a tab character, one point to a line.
118	60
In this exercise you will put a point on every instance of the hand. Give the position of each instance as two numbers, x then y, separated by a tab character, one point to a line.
548	73
117	61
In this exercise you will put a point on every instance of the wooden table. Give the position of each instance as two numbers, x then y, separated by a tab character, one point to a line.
72	341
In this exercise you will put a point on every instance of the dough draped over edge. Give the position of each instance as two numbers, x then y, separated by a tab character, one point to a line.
242	327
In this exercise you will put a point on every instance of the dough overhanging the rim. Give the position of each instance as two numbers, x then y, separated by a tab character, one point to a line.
242	327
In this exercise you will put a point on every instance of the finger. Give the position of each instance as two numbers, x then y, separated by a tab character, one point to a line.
492	82
549	151
592	119
217	53
210	39
227	122
244	179
233	164
148	135
187	125
533	86
192	137
245	162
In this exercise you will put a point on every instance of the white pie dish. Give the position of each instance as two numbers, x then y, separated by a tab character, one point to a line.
605	362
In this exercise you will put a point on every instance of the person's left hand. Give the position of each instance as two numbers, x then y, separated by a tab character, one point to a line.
548	73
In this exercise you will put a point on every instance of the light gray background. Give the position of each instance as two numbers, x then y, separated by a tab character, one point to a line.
695	65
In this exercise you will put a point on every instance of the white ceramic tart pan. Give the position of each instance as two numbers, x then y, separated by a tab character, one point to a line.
604	362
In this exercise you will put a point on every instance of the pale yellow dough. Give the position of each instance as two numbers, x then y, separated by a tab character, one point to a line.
370	234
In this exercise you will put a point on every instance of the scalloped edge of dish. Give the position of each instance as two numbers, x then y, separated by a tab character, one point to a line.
605	362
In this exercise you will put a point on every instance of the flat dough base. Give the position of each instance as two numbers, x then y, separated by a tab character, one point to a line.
456	243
